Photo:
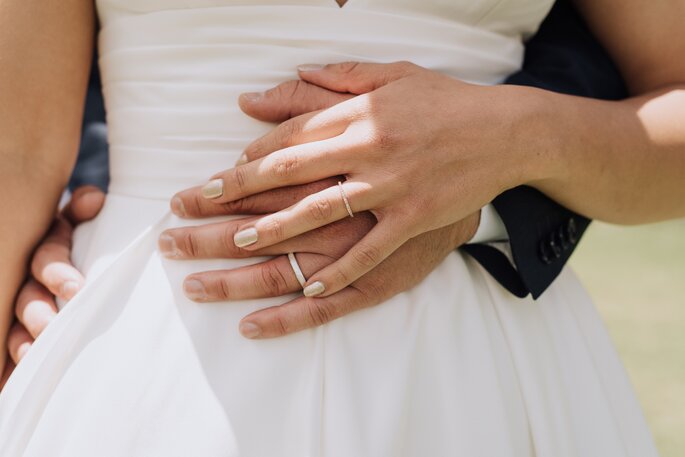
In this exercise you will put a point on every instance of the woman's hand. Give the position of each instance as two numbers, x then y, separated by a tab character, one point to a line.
418	149
314	250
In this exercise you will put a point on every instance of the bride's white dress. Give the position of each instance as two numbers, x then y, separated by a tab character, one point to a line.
455	367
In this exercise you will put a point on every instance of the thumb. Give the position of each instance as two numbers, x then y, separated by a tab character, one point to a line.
288	100
355	77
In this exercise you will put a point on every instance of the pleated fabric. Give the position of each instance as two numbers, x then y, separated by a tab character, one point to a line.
455	366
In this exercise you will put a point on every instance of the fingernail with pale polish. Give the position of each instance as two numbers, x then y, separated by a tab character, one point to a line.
177	207
252	96
310	67
168	247
241	161
69	289
250	330
213	189
195	290
246	237
314	289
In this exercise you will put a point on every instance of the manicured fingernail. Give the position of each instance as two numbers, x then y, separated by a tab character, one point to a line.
168	247
252	96
69	289
23	349
310	67
246	237
213	189
241	161
194	290
177	207
250	330
314	289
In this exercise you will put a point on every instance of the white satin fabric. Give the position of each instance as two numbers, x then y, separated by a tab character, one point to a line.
454	367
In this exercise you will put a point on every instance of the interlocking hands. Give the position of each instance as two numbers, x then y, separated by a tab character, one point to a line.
419	150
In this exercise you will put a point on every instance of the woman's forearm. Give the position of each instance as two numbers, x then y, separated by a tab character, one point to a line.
45	50
621	162
26	209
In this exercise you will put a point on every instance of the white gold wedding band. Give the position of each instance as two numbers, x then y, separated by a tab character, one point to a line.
296	269
345	199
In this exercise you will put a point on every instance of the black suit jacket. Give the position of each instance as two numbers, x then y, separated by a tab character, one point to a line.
563	57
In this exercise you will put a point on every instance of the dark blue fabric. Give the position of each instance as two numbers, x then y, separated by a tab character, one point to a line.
562	57
92	166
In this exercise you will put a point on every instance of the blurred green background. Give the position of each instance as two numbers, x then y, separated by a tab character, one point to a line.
636	276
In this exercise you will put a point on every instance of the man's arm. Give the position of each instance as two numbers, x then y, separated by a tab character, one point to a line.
562	57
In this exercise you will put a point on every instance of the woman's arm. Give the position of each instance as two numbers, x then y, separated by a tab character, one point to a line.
45	52
421	150
624	162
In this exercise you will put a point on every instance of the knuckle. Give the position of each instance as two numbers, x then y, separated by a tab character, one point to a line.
241	206
348	67
374	291
228	242
193	205
282	91
367	256
297	88
273	280
273	228
189	244
240	178
404	65
320	209
288	133
221	290
340	276
387	139
285	167
319	311
281	325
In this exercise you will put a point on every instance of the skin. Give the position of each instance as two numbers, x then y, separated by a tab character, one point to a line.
621	162
52	269
618	161
44	86
52	275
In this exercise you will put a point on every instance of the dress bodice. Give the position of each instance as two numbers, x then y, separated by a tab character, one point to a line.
173	69
509	17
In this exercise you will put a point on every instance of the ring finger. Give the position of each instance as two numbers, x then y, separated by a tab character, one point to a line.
317	210
272	278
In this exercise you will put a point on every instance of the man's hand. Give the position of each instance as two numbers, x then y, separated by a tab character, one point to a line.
316	249
52	275
418	149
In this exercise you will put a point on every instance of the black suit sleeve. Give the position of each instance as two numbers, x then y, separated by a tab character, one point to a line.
562	57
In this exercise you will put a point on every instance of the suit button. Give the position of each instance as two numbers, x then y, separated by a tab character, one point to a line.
572	231
556	249
562	239
544	253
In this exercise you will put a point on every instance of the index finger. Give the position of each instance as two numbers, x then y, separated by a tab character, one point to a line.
288	100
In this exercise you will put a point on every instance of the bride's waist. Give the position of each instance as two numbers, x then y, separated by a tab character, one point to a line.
158	174
130	226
